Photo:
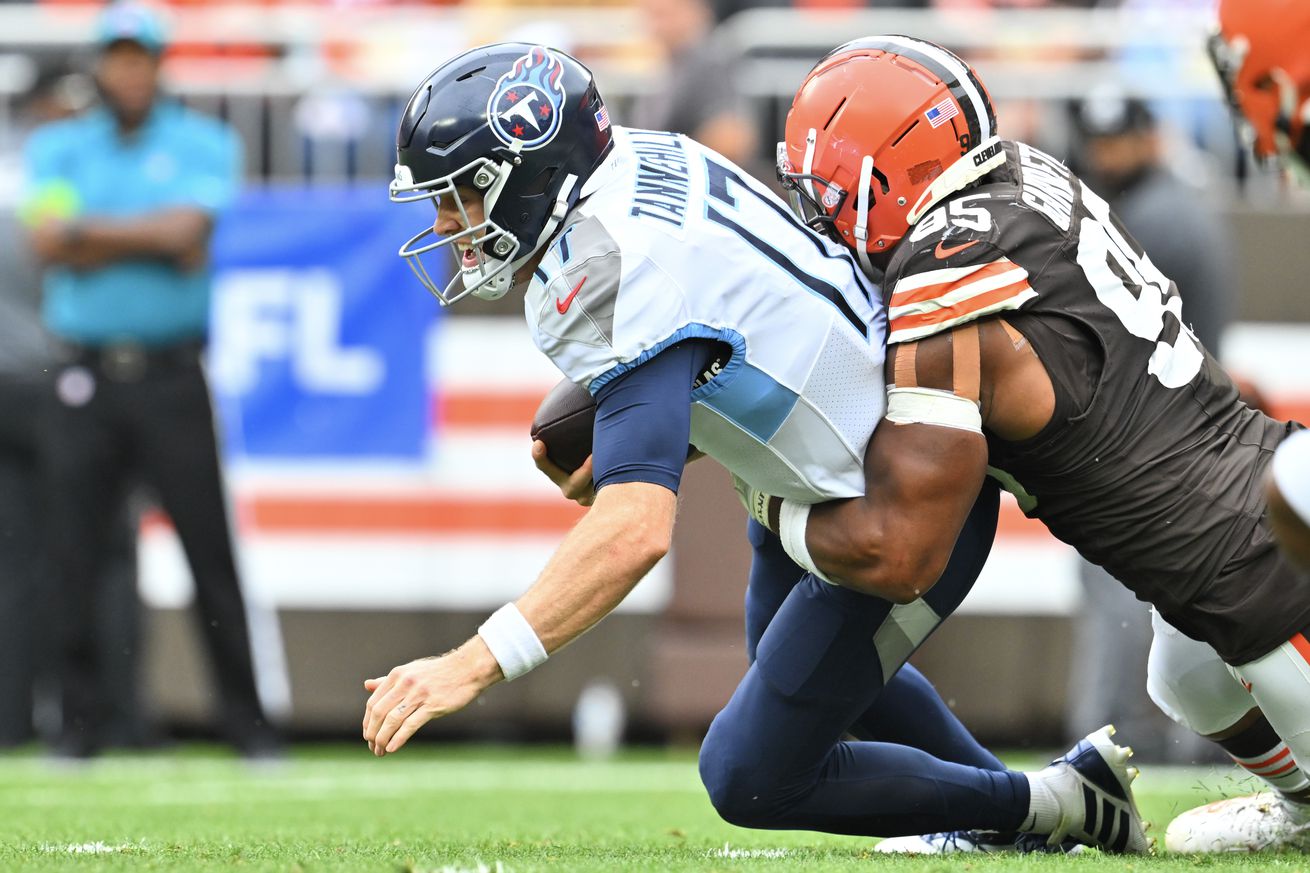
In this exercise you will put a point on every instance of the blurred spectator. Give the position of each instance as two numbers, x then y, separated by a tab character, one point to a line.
1120	153
697	94
120	204
27	355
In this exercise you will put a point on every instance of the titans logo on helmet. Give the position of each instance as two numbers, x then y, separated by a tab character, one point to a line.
525	104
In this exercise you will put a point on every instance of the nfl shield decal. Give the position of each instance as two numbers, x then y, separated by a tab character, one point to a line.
525	104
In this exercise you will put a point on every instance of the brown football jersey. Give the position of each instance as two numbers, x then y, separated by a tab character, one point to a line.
1150	467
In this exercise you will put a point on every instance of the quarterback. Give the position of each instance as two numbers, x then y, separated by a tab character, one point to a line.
1051	353
697	309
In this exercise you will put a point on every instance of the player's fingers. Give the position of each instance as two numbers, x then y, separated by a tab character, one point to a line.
553	472
412	723
378	710
390	723
375	686
372	701
579	485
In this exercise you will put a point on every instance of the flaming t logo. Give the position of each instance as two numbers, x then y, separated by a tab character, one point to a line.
526	102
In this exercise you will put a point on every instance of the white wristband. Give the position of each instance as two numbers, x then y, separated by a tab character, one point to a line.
792	519
513	642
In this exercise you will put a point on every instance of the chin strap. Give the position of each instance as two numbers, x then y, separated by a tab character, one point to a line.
861	229
557	212
807	163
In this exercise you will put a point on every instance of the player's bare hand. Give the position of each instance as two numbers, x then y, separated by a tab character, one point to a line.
413	694
576	486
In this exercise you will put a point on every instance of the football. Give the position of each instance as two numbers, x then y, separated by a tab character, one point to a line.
564	422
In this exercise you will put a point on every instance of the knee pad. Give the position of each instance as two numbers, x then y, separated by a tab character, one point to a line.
1190	683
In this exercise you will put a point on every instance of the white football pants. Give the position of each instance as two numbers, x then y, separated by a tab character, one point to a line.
1195	688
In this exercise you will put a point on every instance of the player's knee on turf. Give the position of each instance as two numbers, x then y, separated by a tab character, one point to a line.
741	787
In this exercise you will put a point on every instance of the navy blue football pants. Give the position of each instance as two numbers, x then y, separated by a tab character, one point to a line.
775	756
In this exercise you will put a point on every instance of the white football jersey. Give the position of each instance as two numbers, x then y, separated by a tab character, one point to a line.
672	241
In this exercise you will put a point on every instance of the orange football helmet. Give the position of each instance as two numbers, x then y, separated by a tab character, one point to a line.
1262	53
879	132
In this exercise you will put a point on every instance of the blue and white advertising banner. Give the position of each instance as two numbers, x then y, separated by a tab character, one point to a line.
318	332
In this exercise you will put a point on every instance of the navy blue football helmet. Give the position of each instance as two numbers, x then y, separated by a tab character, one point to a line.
522	124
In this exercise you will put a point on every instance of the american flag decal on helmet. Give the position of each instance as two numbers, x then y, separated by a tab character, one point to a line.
942	113
602	118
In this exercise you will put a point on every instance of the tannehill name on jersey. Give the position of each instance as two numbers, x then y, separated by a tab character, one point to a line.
794	394
662	183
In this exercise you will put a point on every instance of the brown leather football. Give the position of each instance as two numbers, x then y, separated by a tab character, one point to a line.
564	422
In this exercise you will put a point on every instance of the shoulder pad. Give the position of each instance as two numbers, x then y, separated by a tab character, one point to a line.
582	272
953	269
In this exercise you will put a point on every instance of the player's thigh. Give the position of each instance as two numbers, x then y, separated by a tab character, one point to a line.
1190	683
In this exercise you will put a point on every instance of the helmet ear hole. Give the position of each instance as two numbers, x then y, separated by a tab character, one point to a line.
882	180
540	184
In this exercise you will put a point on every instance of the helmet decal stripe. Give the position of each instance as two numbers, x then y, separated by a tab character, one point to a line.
959	78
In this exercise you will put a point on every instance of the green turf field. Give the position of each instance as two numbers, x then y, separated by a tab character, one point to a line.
434	808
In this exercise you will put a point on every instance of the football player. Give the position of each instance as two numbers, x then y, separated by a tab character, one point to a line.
1040	342
697	309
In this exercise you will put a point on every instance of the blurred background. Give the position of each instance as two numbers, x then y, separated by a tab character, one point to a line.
376	448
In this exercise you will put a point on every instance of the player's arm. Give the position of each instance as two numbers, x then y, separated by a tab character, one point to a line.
926	460
923	469
1288	490
178	234
643	420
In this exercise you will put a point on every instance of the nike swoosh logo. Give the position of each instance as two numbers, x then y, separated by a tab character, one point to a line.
943	251
562	306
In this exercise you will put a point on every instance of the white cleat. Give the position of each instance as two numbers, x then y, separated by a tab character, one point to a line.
1254	823
1092	783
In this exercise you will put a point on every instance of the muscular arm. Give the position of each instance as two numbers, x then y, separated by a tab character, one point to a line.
922	479
895	540
179	235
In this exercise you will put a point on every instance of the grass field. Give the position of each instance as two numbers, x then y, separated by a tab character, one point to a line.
434	808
